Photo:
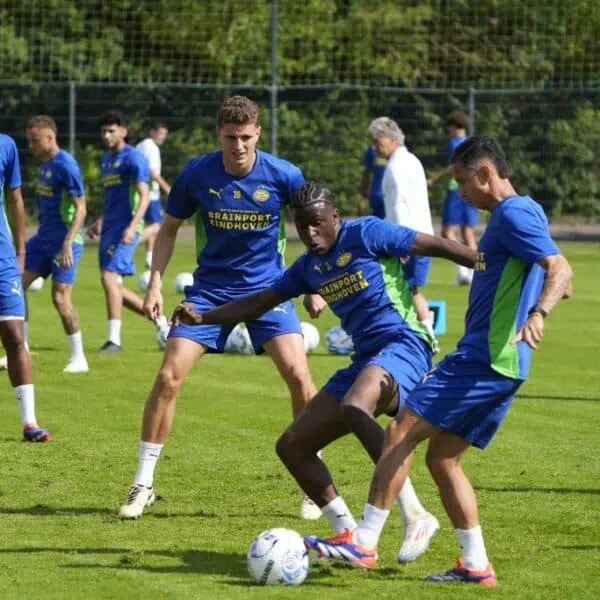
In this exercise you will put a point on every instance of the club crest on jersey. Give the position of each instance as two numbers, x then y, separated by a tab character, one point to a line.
117	164
343	259
48	174
261	195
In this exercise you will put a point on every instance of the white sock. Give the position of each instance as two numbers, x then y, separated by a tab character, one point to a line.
147	459
371	525
149	258
114	331
162	322
473	549
76	345
26	399
339	515
408	503
26	334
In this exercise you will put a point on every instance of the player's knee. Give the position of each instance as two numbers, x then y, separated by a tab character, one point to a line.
168	382
61	301
288	449
296	376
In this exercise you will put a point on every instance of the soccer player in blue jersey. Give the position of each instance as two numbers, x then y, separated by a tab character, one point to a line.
520	276
237	196
458	212
371	184
354	266
57	247
125	175
12	303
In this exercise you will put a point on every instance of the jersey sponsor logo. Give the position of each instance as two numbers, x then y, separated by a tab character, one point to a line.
240	220
380	162
261	195
480	262
343	259
216	193
343	286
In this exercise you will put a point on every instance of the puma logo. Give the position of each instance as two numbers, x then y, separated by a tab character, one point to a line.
216	193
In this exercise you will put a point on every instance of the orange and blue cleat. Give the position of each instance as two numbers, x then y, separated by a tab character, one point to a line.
343	548
36	434
461	573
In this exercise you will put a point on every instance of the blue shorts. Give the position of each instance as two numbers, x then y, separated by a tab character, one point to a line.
278	321
464	397
457	211
39	258
407	359
154	213
416	270
12	303
115	256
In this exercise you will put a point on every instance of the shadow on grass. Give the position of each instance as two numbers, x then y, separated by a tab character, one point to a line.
227	564
537	490
550	397
581	547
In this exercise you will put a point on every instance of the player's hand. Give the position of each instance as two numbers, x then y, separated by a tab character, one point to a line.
153	303
532	331
430	181
94	230
314	305
128	235
64	258
185	313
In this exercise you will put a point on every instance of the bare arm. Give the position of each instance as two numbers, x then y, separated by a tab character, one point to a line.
65	256
447	172
430	245
557	286
143	191
15	209
164	186
243	309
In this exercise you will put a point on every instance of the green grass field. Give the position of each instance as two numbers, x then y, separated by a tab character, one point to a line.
220	482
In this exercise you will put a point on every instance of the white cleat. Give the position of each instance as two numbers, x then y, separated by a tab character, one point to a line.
309	510
3	363
77	365
138	498
417	535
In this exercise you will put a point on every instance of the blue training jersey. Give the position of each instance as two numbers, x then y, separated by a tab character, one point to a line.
240	235
363	282
121	171
376	164
10	178
59	180
506	284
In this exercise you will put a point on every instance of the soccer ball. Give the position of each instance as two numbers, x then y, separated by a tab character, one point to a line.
278	556
338	341
36	285
182	281
311	336
143	281
239	341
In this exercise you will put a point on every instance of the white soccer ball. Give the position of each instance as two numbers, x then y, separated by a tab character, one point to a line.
182	281
36	285
143	281
239	341
278	557
311	336
338	341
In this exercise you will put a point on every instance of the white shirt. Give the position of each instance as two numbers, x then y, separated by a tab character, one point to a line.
149	148
405	193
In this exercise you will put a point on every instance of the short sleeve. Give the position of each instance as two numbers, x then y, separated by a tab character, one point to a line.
296	179
151	152
12	171
139	167
72	180
525	232
384	239
180	203
293	283
369	158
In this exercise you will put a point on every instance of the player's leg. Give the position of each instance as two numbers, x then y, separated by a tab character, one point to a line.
12	314
319	424
152	220
113	295
180	356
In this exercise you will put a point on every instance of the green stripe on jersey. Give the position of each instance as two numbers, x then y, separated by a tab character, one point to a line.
399	294
67	214
504	356
281	240
200	234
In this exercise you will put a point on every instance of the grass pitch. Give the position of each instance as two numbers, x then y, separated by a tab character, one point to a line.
220	483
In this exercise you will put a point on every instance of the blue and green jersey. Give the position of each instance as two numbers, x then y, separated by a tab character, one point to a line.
240	235
59	181
363	282
506	284
120	172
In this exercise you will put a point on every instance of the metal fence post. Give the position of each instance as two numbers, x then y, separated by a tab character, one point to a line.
273	120
72	100
471	109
